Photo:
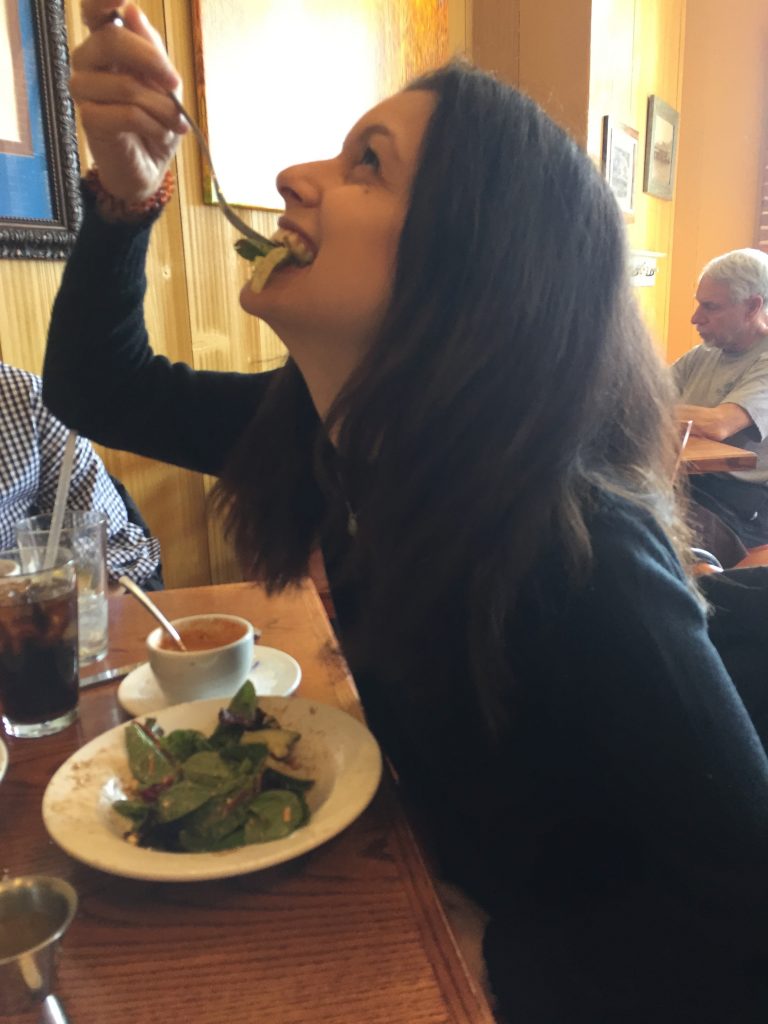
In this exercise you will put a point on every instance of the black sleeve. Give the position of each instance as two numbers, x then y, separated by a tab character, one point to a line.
102	378
682	772
738	627
660	710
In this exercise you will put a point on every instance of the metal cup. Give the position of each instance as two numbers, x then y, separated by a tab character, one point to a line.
35	911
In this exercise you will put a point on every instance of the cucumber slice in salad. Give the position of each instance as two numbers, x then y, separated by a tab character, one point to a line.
268	256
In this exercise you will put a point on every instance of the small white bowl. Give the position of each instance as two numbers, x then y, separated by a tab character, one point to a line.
198	675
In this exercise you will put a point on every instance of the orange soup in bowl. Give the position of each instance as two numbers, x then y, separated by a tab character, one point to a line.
205	634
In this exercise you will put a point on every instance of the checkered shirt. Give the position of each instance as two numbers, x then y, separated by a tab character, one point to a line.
32	444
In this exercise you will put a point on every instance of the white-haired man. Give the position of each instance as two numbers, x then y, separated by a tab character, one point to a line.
723	386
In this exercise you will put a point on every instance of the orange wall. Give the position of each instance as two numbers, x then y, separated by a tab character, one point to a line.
723	108
582	60
539	46
637	52
555	60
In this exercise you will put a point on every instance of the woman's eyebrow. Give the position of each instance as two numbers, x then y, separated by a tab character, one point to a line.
385	132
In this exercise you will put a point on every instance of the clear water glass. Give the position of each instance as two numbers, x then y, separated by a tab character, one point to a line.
84	535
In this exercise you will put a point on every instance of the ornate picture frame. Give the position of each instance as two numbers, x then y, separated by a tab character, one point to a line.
39	170
620	162
660	149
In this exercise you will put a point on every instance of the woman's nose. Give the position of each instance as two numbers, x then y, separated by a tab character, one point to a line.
299	184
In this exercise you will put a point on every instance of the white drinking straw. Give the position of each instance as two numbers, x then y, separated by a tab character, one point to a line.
60	501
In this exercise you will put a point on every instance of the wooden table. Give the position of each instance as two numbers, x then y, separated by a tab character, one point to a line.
352	932
702	455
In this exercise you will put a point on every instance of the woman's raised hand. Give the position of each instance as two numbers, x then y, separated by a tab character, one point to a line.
120	81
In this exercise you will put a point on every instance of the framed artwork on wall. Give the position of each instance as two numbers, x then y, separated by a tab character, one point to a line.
39	170
619	163
660	149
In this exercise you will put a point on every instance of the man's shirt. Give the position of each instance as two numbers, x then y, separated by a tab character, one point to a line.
709	377
32	444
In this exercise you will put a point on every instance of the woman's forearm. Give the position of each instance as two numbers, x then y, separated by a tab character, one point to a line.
102	378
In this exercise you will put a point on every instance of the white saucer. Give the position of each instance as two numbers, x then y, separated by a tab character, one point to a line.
274	674
3	759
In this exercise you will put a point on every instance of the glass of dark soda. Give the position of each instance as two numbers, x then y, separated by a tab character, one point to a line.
39	685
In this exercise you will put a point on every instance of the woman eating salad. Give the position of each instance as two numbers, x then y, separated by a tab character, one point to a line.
473	426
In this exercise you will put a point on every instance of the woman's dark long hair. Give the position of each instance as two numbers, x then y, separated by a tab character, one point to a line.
511	381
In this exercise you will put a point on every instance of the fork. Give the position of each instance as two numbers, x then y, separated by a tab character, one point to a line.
226	209
264	244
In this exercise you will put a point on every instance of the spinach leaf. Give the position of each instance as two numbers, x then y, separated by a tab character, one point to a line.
220	815
200	794
252	755
182	798
208	768
273	779
275	814
192	843
183	743
148	762
137	810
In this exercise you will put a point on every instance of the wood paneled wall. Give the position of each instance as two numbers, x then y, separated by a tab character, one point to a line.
192	314
585	59
579	60
541	47
637	51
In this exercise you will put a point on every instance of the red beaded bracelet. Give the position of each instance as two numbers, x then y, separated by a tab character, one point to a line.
118	211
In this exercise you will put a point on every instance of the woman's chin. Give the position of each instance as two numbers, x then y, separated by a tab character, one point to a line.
249	300
257	303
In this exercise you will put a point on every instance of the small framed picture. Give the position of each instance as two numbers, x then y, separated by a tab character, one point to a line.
660	149
619	162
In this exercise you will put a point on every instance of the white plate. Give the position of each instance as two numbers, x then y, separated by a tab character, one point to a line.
335	750
274	674
3	759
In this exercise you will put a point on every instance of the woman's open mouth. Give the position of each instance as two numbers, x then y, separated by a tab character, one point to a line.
287	247
299	247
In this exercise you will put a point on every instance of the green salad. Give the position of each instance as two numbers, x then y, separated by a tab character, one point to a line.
197	794
267	255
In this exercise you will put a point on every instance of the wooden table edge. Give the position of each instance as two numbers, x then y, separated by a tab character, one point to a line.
466	1002
738	462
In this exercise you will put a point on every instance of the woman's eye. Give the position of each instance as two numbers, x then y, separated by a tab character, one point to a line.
369	159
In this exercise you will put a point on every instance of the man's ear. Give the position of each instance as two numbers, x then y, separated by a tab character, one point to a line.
754	304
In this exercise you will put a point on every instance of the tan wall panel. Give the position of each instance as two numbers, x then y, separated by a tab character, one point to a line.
460	26
637	51
495	38
222	336
192	314
724	106
541	47
172	501
555	60
27	291
225	568
582	61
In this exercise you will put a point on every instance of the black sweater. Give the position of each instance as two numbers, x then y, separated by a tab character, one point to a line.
618	835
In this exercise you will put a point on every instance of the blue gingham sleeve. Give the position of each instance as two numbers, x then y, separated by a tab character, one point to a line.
129	551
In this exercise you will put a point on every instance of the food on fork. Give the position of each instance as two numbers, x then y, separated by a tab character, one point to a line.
285	247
